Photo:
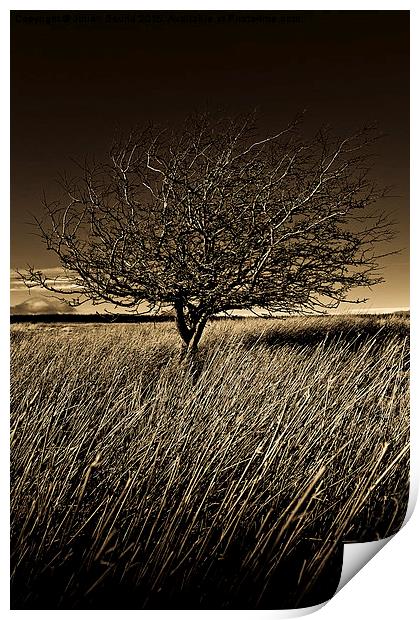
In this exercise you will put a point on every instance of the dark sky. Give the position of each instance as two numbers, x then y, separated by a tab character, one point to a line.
76	77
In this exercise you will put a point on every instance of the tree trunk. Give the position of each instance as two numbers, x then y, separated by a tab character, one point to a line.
190	332
184	331
197	334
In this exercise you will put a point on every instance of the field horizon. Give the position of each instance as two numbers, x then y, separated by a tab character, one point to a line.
168	316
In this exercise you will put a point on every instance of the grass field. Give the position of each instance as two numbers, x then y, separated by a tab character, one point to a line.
227	482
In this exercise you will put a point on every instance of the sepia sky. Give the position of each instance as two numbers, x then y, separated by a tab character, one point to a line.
77	77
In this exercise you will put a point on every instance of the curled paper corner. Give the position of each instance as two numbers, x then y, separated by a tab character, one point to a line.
356	556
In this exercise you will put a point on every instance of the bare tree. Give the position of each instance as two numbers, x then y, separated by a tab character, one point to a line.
215	217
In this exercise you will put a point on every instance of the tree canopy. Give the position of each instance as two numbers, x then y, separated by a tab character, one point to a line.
216	216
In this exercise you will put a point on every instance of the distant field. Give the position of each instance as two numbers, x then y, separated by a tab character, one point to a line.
227	482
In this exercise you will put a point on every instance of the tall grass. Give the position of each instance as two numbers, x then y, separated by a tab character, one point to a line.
141	482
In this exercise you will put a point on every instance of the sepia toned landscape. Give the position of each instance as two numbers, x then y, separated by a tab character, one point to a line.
140	482
209	300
